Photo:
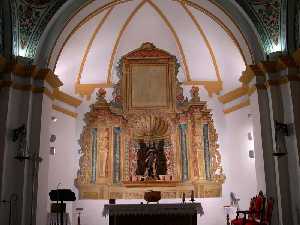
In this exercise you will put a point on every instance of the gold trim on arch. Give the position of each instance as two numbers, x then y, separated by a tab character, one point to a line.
129	18
222	25
81	23
157	9
234	108
169	25
199	28
64	111
237	26
88	47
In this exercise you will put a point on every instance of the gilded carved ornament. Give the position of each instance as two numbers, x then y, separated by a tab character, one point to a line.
139	146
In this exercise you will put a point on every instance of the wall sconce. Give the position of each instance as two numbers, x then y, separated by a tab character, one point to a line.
251	154
54	119
52	138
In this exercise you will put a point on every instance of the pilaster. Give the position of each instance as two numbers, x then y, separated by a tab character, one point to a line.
274	81
26	97
263	145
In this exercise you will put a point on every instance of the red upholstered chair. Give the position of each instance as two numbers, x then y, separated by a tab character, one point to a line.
255	212
260	212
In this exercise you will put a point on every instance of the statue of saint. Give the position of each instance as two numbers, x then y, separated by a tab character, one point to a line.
151	163
151	160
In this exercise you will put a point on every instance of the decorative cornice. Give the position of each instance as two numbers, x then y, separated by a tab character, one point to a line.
212	87
22	87
277	82
29	71
64	111
268	66
49	77
87	89
68	99
250	72
5	83
296	56
237	107
285	62
234	94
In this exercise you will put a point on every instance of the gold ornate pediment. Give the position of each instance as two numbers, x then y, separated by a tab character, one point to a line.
149	136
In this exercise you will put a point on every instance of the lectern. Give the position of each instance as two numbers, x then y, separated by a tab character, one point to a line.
61	195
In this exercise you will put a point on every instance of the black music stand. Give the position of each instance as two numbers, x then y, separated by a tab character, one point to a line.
61	195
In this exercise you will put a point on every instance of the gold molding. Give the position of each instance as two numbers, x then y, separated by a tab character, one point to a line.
210	86
68	99
169	25
87	89
201	31
277	82
296	56
251	90
234	94
221	24
261	87
250	72
49	77
236	25
48	93
24	71
89	45
81	23
112	57
268	66
5	83
64	111
237	107
22	87
157	9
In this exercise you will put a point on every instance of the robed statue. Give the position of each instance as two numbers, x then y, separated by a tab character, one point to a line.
151	160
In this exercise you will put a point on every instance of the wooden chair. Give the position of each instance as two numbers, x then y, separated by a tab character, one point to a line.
259	213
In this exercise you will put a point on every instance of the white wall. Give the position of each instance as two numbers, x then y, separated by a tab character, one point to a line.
62	169
239	169
42	195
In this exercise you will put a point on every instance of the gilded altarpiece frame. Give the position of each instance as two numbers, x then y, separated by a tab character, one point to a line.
149	137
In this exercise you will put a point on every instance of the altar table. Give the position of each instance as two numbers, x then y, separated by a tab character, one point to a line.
150	214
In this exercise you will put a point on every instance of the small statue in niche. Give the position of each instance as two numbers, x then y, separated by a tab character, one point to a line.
152	161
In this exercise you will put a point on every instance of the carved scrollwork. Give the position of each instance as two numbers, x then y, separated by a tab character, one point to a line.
170	143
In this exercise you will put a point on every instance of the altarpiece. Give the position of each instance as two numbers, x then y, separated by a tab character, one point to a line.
149	137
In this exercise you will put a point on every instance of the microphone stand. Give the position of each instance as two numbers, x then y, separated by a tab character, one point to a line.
57	213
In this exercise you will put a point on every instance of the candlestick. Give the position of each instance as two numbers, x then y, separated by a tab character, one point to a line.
192	196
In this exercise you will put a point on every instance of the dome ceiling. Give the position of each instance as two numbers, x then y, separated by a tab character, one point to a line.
208	45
